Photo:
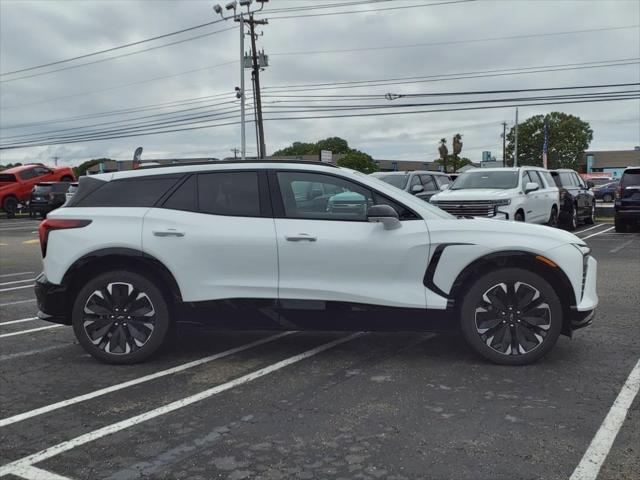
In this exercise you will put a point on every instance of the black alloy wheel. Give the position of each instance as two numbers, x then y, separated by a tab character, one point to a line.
120	317
553	217
572	221
511	316
591	218
607	198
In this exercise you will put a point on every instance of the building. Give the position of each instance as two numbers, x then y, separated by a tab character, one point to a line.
610	161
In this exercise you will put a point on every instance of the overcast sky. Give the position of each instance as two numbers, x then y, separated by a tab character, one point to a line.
36	32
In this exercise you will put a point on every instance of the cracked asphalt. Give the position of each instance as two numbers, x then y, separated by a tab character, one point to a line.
378	406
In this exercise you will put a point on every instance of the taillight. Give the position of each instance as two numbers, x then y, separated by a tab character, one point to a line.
618	192
56	224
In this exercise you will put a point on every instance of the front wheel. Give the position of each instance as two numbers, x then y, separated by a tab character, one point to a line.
120	317
591	219
10	205
572	221
511	316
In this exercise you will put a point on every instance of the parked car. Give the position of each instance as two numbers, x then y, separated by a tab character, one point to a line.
234	244
606	192
47	196
597	181
523	194
577	202
73	188
627	202
422	184
16	183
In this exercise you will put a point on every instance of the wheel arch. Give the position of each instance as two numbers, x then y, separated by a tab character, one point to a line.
526	260
103	260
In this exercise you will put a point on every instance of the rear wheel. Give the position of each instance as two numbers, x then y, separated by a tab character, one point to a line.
607	198
120	317
553	217
66	178
10	205
591	219
511	316
572	221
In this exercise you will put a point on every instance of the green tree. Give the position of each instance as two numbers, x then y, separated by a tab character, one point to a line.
357	160
568	138
334	144
84	166
452	163
10	165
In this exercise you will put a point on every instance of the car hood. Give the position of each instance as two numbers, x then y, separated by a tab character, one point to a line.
474	194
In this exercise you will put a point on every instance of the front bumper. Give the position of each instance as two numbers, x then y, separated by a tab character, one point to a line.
52	301
584	313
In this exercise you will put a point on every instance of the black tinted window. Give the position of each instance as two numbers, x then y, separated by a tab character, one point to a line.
567	180
27	174
229	193
631	177
184	198
7	177
130	192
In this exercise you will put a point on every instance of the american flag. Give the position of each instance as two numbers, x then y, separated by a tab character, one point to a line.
545	145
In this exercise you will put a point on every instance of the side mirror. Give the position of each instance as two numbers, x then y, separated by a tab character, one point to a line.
384	214
531	187
444	187
417	189
590	184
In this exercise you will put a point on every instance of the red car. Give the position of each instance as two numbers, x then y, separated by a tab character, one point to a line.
16	183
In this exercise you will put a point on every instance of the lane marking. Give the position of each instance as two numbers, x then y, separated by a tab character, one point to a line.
601	444
13	229
11	322
617	249
163	373
17	281
54	450
597	233
32	473
14	274
31	242
17	302
590	228
15	288
11	356
33	330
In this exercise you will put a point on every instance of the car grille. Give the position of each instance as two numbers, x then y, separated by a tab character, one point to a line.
472	208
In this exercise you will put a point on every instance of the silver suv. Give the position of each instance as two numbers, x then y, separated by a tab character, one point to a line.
422	184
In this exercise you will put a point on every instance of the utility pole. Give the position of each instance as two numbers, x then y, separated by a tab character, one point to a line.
55	160
256	82
235	153
238	16
504	144
515	148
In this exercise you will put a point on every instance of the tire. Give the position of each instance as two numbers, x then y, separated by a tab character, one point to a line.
572	222
607	198
10	206
621	225
66	178
112	335
502	294
519	216
553	217
591	219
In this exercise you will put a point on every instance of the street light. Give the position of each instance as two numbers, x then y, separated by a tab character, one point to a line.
218	9
232	5
245	3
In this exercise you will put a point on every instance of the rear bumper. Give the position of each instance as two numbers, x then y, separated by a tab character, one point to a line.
52	301
627	213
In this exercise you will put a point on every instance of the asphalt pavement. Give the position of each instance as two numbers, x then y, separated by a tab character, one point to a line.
316	405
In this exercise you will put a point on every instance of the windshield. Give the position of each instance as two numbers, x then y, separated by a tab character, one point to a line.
494	179
399	181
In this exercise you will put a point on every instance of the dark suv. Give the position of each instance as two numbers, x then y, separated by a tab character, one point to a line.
627	204
47	196
577	202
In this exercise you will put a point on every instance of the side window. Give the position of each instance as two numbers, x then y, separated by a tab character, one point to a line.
442	180
526	178
428	183
39	171
578	179
549	178
538	178
184	198
229	193
567	179
28	174
129	192
337	199
415	180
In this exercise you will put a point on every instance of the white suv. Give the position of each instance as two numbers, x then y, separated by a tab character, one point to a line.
294	245
525	194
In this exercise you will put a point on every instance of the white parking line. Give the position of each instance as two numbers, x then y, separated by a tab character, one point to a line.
17	302
136	381
597	233
625	244
22	332
15	288
601	444
11	322
11	356
590	228
13	282
32	473
4	275
54	450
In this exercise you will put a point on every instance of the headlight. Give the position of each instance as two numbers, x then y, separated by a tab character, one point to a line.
583	249
506	201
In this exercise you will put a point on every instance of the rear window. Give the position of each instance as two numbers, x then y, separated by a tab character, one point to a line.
129	192
7	177
630	177
229	193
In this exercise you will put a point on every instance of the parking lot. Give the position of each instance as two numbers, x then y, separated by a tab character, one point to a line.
309	405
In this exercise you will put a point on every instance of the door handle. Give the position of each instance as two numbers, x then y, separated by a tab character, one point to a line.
300	237
170	232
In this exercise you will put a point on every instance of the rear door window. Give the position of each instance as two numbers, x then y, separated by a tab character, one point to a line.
229	193
129	192
185	196
567	180
428	183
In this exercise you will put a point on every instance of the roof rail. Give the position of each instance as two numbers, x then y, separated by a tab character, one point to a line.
232	162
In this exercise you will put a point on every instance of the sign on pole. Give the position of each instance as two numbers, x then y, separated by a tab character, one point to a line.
326	156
